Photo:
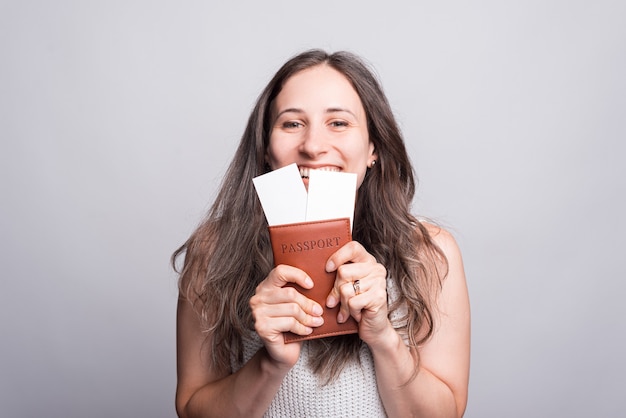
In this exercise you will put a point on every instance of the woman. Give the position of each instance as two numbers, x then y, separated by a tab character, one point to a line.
411	354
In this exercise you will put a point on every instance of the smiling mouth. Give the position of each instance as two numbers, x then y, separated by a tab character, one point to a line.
305	171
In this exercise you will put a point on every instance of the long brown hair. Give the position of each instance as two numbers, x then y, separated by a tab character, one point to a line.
229	254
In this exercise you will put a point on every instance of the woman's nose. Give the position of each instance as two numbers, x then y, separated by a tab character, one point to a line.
314	142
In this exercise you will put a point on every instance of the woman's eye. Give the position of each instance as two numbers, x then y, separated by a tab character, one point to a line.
291	125
339	124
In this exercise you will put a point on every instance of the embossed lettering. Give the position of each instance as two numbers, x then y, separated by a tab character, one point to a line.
310	245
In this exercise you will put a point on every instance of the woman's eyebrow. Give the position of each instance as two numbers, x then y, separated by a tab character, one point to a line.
339	109
328	110
289	110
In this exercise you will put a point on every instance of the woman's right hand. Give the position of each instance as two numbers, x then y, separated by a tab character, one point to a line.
277	308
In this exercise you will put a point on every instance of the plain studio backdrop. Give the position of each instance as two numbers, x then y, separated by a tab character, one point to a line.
118	119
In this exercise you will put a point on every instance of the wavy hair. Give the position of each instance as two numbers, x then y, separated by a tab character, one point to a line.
229	253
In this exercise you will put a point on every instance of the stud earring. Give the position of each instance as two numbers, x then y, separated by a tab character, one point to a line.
373	163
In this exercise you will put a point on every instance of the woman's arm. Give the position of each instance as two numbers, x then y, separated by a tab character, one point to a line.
203	391
440	388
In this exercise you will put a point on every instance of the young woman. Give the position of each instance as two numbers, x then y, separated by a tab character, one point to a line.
411	354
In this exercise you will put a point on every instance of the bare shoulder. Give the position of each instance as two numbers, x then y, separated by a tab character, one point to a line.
444	240
454	282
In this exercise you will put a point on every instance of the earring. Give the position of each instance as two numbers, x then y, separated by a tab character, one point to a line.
373	163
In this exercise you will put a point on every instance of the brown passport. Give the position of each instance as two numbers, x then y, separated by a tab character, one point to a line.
308	246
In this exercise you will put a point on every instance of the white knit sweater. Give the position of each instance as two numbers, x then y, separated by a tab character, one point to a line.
303	394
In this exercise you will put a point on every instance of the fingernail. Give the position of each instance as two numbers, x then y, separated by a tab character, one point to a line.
330	266
318	320
308	281
331	301
317	310
340	318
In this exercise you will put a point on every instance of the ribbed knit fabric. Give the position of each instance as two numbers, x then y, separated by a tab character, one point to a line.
303	394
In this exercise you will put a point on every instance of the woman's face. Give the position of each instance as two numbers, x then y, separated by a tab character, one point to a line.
319	123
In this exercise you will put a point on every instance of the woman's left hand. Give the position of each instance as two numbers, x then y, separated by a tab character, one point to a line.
360	288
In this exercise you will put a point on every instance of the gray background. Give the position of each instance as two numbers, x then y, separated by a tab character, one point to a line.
118	118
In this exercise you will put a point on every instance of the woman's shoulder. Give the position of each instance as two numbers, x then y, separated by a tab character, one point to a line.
442	238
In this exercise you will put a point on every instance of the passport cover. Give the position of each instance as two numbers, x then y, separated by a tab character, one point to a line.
307	246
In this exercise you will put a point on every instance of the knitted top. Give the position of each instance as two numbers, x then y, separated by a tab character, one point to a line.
304	394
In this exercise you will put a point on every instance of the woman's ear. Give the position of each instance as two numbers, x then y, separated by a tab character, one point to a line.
373	156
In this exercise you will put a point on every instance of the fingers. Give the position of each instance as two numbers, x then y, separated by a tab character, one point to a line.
352	262
356	265
278	307
283	274
274	319
372	289
352	252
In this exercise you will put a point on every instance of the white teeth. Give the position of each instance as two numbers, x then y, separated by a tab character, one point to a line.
304	171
